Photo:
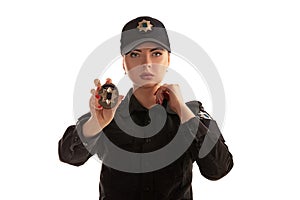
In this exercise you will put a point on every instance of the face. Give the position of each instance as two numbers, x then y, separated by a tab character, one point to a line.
146	65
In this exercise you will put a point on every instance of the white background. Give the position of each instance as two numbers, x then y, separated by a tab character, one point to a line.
254	44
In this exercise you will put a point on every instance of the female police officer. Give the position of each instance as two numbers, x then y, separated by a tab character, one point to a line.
146	56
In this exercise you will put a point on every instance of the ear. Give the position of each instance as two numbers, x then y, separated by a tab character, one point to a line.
124	65
168	59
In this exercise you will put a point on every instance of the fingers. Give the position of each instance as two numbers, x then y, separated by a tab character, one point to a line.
97	83
159	96
162	93
94	104
98	86
167	91
108	81
93	91
95	94
94	100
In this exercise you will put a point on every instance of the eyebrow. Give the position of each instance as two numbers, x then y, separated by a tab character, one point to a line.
158	48
136	50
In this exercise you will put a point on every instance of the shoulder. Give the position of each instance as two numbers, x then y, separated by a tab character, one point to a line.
197	108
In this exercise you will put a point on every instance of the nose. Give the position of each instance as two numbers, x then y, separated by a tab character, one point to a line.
147	62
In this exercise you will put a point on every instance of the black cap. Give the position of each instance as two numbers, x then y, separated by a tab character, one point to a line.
143	29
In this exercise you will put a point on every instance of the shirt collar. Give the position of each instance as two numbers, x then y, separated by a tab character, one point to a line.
134	105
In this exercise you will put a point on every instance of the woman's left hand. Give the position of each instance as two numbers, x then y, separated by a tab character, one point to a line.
172	93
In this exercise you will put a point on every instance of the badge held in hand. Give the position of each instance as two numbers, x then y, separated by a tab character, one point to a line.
108	96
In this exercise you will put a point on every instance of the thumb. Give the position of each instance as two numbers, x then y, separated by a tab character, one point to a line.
119	101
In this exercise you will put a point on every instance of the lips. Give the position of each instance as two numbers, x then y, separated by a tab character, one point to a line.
146	76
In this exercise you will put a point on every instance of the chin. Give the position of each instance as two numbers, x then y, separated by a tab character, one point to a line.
147	84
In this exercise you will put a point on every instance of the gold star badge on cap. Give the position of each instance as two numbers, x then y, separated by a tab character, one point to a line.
144	25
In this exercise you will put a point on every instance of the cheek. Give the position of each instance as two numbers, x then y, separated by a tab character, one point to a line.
133	65
134	72
164	61
127	66
159	70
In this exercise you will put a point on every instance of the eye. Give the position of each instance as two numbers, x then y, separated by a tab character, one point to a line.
133	55
157	54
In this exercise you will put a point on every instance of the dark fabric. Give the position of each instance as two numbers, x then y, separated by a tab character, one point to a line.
171	182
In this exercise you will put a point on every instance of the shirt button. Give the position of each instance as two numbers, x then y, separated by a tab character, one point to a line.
75	139
148	140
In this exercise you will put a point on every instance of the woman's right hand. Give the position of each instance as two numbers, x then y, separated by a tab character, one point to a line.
100	117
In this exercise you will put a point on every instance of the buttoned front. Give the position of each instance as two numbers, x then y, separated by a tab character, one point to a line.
170	182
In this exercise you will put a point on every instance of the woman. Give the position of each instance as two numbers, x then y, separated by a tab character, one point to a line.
146	56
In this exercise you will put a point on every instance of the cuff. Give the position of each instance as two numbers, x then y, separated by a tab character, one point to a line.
88	142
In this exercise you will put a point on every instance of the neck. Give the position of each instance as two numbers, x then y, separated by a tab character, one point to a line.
145	95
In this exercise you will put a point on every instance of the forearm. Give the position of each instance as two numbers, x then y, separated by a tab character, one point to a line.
210	151
217	163
208	147
91	128
185	113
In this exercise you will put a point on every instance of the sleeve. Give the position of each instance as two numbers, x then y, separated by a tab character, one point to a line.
74	148
208	148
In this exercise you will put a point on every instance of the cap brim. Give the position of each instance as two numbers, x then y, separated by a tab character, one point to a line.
136	43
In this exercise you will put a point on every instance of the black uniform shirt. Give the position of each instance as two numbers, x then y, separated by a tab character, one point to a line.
173	181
